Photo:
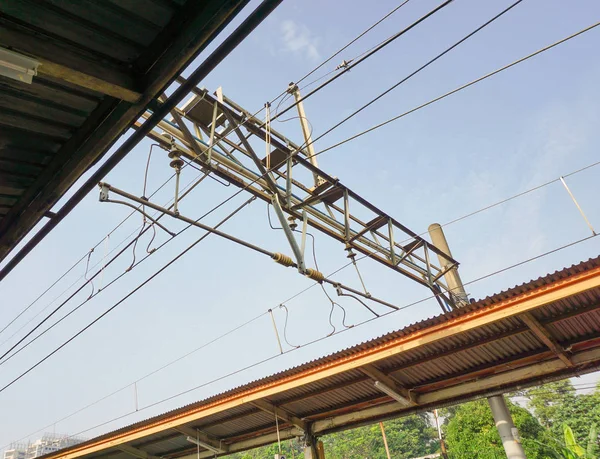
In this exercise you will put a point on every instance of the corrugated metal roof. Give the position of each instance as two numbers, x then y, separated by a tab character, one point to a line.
470	355
102	62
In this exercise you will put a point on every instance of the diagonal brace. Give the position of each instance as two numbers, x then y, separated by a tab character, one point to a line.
545	337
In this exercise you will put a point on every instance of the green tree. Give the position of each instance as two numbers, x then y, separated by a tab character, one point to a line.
408	437
557	404
471	432
571	450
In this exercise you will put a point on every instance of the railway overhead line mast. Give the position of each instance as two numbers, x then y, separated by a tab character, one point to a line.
222	138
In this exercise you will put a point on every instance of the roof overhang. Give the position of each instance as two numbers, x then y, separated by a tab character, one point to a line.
101	64
542	331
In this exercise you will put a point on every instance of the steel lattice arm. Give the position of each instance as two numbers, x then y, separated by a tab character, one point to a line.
332	208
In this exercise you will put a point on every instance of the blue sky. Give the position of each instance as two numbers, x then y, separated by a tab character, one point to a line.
514	131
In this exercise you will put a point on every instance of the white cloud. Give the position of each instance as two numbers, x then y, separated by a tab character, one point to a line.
298	39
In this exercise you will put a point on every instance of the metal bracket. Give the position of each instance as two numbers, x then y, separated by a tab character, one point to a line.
103	192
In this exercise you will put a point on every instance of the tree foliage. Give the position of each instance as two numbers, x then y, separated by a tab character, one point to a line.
557	404
407	437
559	421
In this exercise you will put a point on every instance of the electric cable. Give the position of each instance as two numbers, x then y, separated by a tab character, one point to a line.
79	261
98	318
458	89
368	55
358	37
3	359
408	77
343	48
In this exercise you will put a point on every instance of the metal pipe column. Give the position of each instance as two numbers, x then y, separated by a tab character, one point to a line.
506	428
452	277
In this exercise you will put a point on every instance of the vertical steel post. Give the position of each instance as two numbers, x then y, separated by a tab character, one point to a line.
506	428
310	447
306	131
504	423
452	277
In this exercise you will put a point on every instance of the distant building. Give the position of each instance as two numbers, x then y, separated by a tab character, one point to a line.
16	452
49	443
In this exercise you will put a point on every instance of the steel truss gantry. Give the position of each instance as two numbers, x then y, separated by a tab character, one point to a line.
222	138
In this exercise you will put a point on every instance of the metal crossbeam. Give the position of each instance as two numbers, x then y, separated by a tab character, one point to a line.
330	207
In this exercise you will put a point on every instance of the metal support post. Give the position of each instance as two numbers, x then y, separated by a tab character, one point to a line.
452	277
310	447
440	436
506	428
306	131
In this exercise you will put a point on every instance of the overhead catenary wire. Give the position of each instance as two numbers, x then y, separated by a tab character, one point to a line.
294	347
367	56
4	357
86	255
409	76
141	285
458	89
147	375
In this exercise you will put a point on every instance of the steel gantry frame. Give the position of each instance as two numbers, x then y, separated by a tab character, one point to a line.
222	138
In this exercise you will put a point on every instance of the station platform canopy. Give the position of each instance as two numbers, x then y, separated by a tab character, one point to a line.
88	69
544	330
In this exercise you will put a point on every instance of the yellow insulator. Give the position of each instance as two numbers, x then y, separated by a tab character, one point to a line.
283	259
314	275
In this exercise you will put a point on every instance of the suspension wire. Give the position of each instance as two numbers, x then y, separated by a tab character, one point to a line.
458	89
366	56
2	358
408	77
87	267
80	260
358	37
283	306
189	187
149	279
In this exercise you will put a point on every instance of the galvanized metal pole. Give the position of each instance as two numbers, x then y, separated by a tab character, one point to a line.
452	277
504	423
306	131
506	428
